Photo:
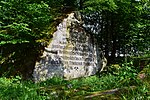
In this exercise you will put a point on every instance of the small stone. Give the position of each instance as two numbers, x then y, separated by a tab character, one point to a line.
142	76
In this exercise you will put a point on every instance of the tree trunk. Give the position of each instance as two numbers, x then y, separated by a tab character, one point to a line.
107	36
113	52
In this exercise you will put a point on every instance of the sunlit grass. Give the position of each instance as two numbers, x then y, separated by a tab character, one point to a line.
126	81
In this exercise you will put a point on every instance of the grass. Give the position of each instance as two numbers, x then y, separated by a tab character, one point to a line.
124	84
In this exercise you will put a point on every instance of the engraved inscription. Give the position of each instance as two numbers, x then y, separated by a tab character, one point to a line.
70	54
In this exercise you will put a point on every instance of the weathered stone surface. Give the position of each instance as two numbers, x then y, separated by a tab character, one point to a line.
72	53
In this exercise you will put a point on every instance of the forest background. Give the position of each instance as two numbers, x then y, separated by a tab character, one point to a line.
26	27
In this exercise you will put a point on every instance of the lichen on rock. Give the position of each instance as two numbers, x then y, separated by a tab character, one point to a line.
70	54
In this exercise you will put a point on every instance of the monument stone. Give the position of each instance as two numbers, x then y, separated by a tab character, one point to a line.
71	53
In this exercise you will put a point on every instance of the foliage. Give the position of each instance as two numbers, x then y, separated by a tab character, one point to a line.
100	5
15	89
57	88
139	93
123	26
24	26
119	26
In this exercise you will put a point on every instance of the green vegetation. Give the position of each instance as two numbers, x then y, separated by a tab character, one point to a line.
124	84
124	26
26	26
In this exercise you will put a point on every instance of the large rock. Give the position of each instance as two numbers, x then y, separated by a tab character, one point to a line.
72	53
